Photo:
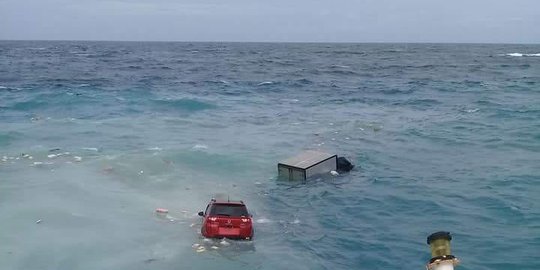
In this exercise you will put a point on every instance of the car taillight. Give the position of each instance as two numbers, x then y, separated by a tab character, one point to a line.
212	222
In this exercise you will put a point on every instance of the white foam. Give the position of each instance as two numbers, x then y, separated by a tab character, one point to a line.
263	220
199	146
523	54
90	149
265	83
340	66
224	243
514	54
155	149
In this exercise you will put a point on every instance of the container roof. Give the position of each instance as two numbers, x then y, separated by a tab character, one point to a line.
306	159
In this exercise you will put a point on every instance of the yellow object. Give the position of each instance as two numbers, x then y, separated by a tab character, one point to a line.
440	247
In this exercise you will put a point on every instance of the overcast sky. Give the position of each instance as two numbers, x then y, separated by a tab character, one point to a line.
489	21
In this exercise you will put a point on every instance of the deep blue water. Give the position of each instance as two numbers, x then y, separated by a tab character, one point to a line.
444	136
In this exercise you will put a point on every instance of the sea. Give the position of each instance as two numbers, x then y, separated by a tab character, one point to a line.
95	136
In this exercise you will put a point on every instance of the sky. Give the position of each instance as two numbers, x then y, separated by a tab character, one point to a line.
461	21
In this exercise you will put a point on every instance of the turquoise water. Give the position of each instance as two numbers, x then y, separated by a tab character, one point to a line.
445	137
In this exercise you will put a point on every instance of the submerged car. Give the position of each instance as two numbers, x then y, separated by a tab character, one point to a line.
227	219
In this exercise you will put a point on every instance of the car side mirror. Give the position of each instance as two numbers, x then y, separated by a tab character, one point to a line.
201	214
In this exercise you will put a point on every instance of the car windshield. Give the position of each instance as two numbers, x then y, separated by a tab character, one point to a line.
230	210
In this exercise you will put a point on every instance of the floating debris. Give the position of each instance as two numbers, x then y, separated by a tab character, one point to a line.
38	221
77	158
162	210
214	247
334	173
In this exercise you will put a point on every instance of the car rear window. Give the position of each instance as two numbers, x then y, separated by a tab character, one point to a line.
230	210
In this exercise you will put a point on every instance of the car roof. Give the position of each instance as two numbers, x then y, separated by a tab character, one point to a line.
214	201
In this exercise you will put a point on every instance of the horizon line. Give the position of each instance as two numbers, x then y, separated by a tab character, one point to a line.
282	42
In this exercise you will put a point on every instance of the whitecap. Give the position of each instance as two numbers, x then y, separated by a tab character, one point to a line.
90	149
340	66
523	54
514	54
155	149
472	110
199	146
265	83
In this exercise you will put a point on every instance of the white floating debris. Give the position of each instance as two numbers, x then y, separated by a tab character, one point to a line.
334	173
38	221
214	247
37	163
51	156
77	158
90	149
141	172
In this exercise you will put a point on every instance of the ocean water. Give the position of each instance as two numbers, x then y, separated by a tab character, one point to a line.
94	136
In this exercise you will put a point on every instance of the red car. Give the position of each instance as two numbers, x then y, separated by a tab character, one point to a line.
227	219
